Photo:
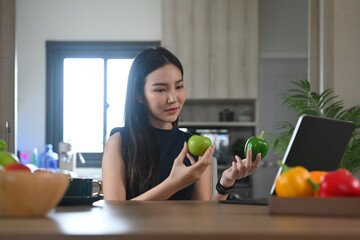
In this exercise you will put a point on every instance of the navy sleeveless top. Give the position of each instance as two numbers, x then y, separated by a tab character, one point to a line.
171	142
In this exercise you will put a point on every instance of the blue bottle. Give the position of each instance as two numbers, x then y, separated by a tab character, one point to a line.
49	159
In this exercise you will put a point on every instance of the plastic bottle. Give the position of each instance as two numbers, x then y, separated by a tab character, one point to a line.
35	156
49	159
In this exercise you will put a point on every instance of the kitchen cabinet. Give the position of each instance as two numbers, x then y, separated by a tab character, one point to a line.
200	114
217	43
209	113
207	116
7	73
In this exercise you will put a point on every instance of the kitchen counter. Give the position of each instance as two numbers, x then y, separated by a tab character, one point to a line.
175	220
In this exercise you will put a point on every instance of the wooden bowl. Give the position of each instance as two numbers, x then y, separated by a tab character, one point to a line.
26	194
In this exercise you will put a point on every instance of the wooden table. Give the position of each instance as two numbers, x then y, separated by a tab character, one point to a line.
175	220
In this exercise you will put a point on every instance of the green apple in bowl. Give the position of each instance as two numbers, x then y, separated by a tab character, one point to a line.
6	158
198	145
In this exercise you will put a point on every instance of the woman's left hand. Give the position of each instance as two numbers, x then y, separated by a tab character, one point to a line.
240	168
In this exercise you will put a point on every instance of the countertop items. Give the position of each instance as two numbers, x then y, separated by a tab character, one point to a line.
175	220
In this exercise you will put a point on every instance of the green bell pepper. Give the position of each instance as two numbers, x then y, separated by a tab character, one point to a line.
257	145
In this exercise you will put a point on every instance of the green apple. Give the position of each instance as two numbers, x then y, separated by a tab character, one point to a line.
6	158
198	145
2	145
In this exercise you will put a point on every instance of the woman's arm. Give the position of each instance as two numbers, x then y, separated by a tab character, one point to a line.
113	170
240	168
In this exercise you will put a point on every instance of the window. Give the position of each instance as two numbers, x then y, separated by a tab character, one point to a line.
85	93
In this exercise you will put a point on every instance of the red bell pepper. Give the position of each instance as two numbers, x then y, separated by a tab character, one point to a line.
339	183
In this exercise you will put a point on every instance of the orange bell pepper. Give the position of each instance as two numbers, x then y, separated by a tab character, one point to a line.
316	177
293	182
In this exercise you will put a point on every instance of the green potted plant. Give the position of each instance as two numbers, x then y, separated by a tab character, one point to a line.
304	101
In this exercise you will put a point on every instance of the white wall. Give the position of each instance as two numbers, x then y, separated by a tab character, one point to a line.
347	51
88	20
283	58
283	28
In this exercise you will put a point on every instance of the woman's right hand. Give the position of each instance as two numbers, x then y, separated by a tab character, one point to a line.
181	175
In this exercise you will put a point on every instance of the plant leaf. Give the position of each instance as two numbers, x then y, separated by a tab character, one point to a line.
302	100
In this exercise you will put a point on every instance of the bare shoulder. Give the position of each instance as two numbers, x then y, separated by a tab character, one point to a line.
113	142
112	151
112	162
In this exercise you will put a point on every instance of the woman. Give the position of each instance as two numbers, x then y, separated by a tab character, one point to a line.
148	158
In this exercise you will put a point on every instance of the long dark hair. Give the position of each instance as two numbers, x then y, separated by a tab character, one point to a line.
139	150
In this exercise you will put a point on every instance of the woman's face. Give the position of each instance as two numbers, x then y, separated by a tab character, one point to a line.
165	95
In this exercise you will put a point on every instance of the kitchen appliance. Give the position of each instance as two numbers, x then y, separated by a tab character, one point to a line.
67	157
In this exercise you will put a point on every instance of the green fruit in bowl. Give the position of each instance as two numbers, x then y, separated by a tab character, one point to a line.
198	145
6	158
2	145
